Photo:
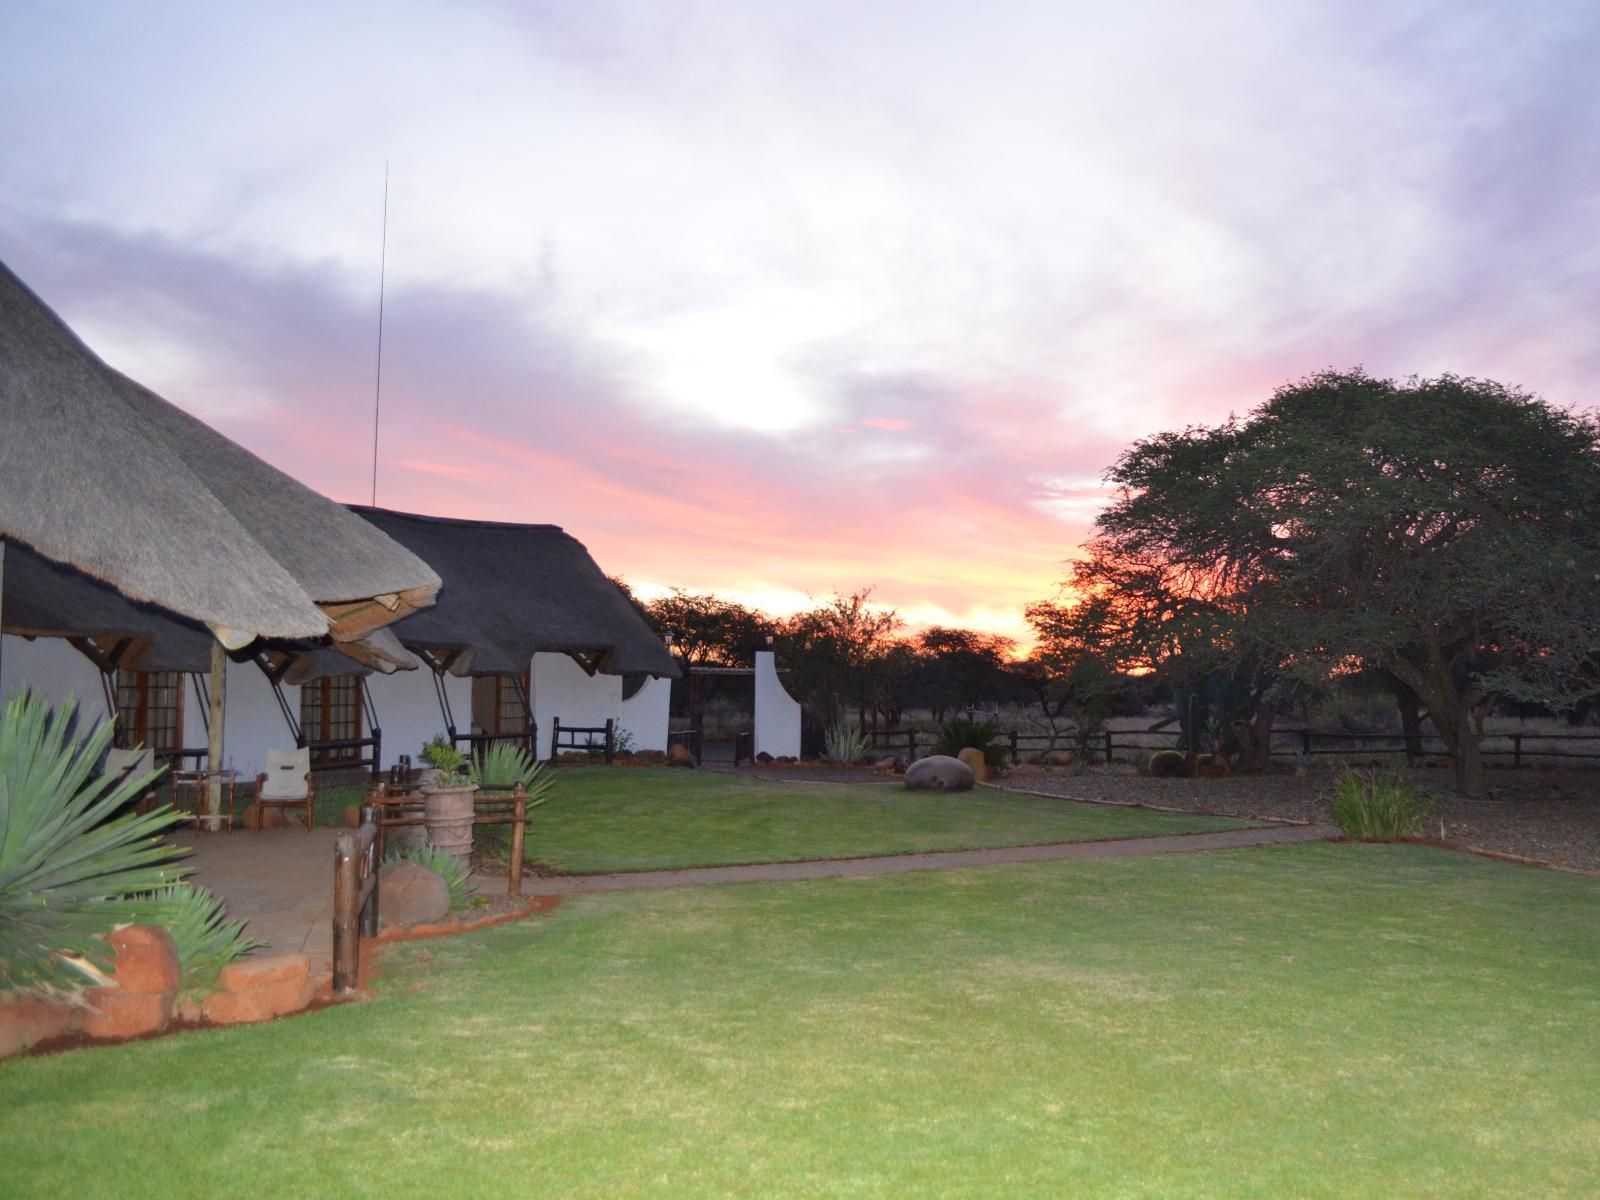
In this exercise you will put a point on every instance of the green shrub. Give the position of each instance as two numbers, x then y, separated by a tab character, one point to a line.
441	754
70	866
456	874
959	735
844	744
206	940
1378	805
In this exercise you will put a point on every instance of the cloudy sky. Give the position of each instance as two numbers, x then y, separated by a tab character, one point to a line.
777	299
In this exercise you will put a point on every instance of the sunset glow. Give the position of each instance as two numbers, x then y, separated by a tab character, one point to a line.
778	301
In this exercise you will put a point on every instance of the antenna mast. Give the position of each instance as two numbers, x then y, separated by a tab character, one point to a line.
377	391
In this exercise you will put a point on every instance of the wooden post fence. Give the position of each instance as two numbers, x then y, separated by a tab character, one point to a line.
355	897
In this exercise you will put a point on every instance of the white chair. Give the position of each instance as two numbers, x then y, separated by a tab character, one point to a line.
131	764
285	783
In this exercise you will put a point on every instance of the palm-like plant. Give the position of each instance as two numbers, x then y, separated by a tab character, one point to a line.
503	765
70	866
206	940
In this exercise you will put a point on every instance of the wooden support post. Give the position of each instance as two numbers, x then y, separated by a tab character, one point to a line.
611	743
1516	750
1108	747
346	933
555	738
1014	759
214	741
1305	742
519	813
911	746
370	815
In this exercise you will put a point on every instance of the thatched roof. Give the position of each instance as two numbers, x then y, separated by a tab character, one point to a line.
45	599
101	473
510	590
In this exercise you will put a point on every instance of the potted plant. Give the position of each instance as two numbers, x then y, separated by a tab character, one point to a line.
448	800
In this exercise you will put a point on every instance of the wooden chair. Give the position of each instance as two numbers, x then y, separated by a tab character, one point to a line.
131	764
285	783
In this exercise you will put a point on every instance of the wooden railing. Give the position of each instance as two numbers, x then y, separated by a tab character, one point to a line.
744	747
571	733
396	811
692	740
1520	748
356	859
527	738
322	752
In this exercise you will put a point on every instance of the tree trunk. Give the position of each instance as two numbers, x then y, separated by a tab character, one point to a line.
1466	748
1256	752
1410	706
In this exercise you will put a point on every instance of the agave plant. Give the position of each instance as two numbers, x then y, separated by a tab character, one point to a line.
844	744
958	735
206	940
71	865
503	765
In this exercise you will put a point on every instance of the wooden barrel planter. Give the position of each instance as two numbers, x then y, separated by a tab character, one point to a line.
447	813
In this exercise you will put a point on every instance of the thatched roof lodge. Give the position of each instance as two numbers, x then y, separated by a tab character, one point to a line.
512	591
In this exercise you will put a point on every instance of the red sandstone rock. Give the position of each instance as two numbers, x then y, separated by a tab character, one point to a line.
275	986
27	1021
146	960
116	1014
250	973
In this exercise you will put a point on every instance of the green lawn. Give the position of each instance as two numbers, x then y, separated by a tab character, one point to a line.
1319	1021
644	820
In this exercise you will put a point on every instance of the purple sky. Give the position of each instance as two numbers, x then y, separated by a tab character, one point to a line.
774	300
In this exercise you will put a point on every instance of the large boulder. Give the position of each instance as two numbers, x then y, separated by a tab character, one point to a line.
410	894
939	773
976	763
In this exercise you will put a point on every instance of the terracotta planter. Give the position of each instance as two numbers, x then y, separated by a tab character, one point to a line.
447	813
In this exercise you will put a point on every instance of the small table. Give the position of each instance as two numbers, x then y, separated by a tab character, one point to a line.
197	784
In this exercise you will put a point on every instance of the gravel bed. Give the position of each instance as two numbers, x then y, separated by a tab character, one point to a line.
1549	816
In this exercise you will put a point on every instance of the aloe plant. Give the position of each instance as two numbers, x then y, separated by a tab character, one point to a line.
503	765
71	864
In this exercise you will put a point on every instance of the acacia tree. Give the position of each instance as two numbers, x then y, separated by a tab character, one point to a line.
1442	530
708	629
838	655
1072	668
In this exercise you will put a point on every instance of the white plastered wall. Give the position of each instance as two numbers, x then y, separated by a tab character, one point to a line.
562	689
407	709
55	670
777	715
645	714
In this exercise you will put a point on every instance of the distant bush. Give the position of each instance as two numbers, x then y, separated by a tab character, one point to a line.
959	735
1378	805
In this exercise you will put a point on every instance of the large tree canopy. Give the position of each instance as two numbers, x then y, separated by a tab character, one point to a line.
1445	530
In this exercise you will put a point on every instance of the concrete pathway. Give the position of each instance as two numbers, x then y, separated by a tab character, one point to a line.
943	860
280	881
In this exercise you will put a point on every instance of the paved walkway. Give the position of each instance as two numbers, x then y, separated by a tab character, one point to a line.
943	860
280	881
